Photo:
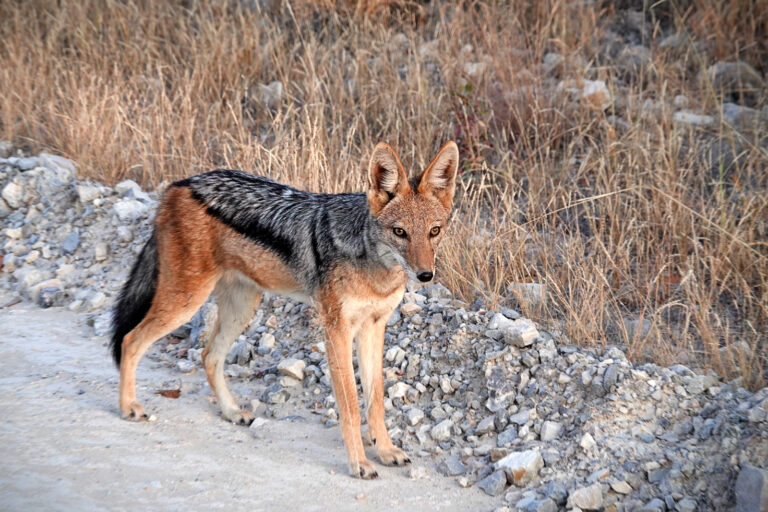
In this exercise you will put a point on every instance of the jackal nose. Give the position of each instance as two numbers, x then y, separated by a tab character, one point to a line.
425	276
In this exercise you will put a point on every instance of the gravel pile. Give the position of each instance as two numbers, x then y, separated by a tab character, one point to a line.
488	398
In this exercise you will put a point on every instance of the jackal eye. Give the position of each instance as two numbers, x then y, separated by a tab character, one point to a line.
399	232
434	231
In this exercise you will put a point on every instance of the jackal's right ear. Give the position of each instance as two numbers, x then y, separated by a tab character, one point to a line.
386	177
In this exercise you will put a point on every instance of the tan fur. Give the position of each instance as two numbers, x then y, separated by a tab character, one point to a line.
198	255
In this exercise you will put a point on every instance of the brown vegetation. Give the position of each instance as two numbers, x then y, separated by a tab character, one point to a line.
646	233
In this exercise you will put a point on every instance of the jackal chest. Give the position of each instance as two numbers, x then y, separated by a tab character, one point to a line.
361	307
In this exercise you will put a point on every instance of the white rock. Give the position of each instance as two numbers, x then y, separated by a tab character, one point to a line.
129	210
621	487
414	416
267	341
409	309
13	194
486	425
398	390
587	442
87	193
550	430
586	498
131	190
522	333
521	467
100	251
96	300
292	367
442	431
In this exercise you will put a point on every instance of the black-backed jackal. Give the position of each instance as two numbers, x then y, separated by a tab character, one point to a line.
236	234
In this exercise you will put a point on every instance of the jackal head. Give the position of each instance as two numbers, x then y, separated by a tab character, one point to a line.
413	214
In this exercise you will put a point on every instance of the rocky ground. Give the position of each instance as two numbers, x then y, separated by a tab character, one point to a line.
487	398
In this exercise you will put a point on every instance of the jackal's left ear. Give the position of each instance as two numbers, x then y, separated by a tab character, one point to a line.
439	179
386	177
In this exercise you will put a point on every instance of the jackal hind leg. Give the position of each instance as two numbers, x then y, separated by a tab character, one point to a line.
173	305
370	348
237	298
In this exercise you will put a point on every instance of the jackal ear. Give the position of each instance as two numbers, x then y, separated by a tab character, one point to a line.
439	179
386	177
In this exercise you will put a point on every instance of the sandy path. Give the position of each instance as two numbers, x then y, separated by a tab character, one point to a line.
63	447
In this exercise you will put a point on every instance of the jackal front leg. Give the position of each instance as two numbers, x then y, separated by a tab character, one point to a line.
370	352
339	350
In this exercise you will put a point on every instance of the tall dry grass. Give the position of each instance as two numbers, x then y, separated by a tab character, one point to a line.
646	234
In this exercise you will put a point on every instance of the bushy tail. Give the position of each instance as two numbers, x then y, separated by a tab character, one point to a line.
135	297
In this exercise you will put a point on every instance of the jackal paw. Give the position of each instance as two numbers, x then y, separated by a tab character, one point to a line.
241	417
393	457
134	412
363	469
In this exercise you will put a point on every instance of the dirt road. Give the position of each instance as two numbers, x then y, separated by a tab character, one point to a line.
63	446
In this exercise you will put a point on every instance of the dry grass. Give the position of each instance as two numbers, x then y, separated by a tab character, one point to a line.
626	221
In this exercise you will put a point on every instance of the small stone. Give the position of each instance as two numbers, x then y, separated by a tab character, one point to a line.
486	425
587	442
686	505
752	490
70	244
124	233
414	416
586	498
100	251
493	484
655	505
96	300
5	209
87	193
49	296
292	368
398	390
13	194
452	466
522	333
130	189
521	467
506	437
130	210
442	431
621	487
520	418
267	340
417	473
550	430
185	366
409	309
275	395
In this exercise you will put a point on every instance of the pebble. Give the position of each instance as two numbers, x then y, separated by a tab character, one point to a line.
521	467
550	430
70	243
292	368
442	431
493	484
586	498
752	489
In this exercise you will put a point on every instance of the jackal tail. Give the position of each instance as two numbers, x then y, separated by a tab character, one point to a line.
135	297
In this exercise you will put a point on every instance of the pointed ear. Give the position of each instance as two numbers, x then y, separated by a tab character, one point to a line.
439	179
386	177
